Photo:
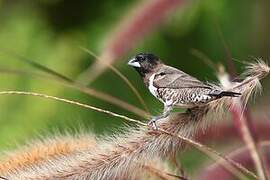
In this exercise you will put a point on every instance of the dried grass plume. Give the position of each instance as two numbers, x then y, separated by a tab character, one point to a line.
125	155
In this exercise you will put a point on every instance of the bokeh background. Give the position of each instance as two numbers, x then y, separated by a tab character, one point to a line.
51	33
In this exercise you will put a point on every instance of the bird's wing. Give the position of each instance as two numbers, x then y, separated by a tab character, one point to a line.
169	77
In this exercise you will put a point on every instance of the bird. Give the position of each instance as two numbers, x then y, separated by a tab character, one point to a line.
173	87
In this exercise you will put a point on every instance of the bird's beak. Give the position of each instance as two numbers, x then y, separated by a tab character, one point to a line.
133	62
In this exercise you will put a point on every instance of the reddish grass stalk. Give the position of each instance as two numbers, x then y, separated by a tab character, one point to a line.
247	133
241	117
244	126
145	17
241	156
227	132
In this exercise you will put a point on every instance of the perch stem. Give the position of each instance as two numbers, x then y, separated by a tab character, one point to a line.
227	163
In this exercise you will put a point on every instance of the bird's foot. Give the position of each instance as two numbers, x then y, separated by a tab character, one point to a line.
152	123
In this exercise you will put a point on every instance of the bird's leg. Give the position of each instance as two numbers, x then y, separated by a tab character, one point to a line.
166	113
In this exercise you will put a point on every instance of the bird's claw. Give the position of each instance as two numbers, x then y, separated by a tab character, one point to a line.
152	124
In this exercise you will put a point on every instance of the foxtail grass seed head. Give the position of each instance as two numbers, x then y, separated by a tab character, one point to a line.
125	155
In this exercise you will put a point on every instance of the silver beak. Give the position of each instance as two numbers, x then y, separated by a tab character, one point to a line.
133	62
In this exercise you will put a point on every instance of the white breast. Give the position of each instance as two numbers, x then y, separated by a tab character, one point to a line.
151	86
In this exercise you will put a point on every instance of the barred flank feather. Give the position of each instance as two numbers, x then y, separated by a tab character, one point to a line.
124	156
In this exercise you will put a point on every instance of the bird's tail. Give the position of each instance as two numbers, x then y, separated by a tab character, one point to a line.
225	93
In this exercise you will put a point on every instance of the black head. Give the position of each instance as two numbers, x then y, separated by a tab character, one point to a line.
144	63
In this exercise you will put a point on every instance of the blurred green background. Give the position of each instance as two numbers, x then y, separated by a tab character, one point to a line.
50	32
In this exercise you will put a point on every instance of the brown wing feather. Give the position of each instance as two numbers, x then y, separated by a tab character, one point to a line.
169	77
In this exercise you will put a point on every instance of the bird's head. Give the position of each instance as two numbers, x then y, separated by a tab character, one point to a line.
144	63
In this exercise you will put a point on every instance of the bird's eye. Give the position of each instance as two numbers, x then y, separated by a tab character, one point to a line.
140	58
